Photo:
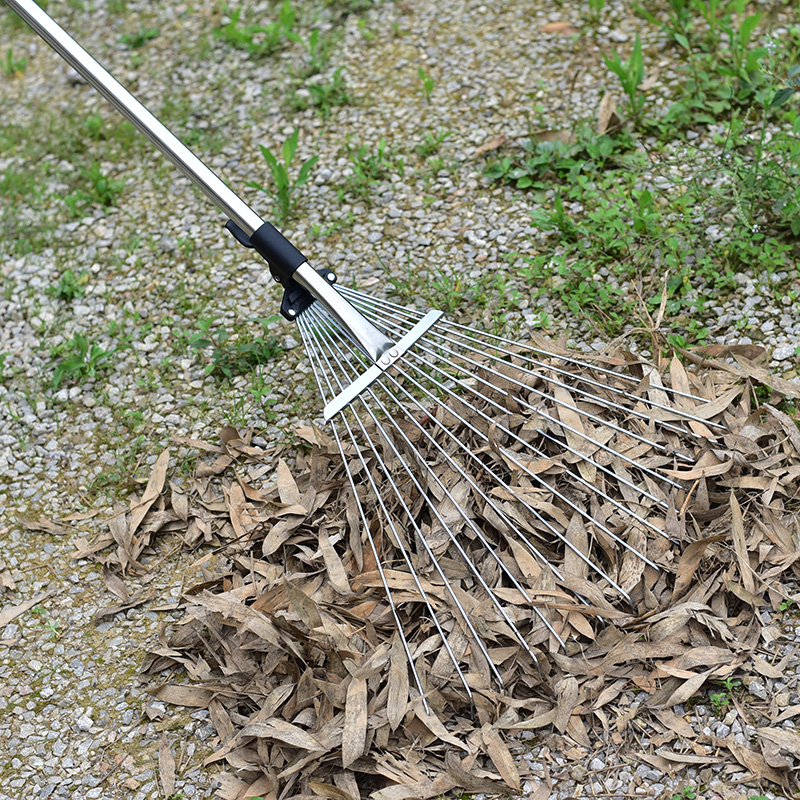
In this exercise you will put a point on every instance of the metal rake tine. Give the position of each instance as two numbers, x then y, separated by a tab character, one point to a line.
476	488
629	410
476	573
603	371
398	539
469	335
613	426
538	479
484	467
424	542
369	301
547	416
543	520
544	395
560	495
384	580
680	412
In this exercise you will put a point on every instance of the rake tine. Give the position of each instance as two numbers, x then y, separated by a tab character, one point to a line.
563	445
366	302
413	478
535	477
563	404
566	500
533	550
388	517
465	617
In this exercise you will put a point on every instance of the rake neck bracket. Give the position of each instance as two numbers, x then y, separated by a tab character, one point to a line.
303	285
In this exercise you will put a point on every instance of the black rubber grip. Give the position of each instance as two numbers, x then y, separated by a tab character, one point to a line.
283	257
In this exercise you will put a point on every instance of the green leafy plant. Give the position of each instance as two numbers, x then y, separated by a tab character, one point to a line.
721	701
69	285
235	355
792	85
284	186
595	11
139	39
428	83
687	793
94	127
542	161
13	66
258	40
318	49
43	621
430	142
630	74
96	188
79	360
324	96
370	166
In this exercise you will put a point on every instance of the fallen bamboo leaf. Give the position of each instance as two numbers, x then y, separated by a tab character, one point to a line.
166	767
12	612
283	731
501	756
354	733
563	28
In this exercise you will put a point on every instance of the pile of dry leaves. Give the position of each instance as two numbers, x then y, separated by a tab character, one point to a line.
291	645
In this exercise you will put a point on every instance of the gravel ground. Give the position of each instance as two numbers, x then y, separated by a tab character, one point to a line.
74	723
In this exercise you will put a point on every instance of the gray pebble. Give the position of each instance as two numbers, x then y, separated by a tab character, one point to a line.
783	352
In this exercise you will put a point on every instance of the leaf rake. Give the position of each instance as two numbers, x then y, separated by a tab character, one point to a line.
574	464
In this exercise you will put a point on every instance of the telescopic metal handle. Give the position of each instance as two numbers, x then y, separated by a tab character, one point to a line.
291	267
119	97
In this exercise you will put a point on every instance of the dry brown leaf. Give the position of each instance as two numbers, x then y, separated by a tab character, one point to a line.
12	612
561	27
689	688
689	758
689	562
191	696
784	738
675	723
492	144
789	389
45	525
754	762
567	692
155	485
740	546
289	493
397	698
501	756
354	732
166	767
336	571
607	118
282	731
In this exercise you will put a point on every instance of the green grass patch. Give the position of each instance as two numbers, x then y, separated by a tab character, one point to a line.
631	234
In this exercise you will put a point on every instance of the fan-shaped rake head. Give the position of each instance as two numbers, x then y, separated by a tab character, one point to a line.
493	478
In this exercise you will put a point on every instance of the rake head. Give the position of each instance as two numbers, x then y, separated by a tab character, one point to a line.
501	478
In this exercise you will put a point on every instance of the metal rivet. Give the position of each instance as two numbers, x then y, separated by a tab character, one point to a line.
292	312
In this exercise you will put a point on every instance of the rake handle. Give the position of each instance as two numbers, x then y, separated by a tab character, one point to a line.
287	264
284	258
